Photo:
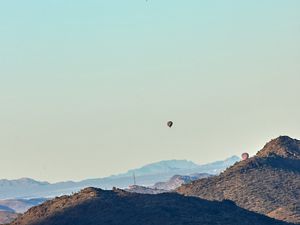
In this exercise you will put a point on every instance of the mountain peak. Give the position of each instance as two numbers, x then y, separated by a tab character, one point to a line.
163	166
283	146
265	183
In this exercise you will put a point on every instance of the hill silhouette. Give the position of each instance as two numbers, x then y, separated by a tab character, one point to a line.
268	183
117	207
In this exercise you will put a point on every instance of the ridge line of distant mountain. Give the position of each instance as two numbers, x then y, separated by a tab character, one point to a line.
130	172
146	175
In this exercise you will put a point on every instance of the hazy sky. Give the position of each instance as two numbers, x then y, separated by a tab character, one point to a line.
86	87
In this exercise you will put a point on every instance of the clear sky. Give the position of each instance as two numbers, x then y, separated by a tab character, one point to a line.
86	87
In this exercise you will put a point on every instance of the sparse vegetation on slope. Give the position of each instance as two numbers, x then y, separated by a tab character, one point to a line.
268	183
97	207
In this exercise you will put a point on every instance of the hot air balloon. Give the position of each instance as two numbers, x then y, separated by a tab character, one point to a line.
245	156
170	124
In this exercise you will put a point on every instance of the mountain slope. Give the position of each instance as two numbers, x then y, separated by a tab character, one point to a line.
97	207
268	183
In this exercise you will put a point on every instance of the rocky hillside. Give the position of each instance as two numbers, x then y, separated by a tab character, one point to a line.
268	183
97	207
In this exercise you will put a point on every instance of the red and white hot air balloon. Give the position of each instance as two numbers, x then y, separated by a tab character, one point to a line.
245	156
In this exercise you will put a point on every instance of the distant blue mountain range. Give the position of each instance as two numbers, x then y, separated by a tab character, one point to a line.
147	175
163	167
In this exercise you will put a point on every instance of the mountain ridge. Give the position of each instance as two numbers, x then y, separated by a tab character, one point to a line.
267	183
29	188
93	206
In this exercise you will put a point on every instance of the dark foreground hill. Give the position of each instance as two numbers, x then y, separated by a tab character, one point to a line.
268	183
97	207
